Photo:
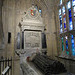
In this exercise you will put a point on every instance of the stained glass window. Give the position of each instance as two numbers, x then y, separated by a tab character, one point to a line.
60	18
69	5
64	18
74	10
67	51
62	44
72	45
60	2
73	4
70	16
63	9
59	11
63	25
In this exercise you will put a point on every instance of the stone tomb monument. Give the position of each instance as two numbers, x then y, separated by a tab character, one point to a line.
32	26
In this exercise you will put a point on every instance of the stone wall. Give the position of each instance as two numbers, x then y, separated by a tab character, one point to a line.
12	13
1	28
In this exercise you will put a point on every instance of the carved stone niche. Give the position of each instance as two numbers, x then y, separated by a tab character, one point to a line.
32	26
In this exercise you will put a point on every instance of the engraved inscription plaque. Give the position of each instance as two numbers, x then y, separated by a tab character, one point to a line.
32	39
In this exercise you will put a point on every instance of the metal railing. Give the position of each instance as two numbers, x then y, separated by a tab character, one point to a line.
6	66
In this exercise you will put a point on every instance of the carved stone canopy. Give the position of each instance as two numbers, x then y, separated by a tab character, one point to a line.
32	20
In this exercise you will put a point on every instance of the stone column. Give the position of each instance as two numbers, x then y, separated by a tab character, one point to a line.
1	26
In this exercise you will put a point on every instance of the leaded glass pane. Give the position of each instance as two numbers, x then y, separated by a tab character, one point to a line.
60	2
70	19
64	24
61	30
73	2
72	45
59	11
67	51
69	5
63	9
64	18
70	24
62	43
60	17
74	10
70	13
